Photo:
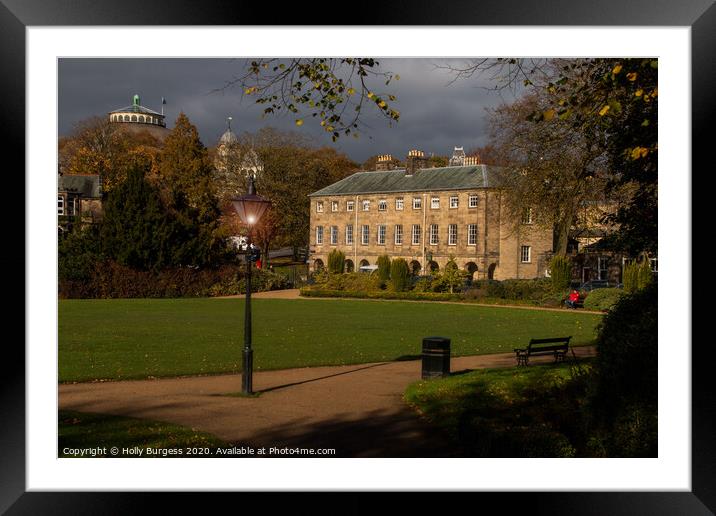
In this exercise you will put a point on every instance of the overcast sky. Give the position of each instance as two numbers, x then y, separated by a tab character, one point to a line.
435	116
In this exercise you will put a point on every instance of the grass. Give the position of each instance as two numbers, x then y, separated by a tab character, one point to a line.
78	430
532	411
140	338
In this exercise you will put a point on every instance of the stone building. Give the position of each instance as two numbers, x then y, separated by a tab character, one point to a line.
425	215
78	200
136	118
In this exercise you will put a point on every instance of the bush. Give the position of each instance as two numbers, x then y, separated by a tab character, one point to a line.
644	275
626	387
399	274
384	267
560	272
336	262
112	280
353	281
381	294
603	298
630	277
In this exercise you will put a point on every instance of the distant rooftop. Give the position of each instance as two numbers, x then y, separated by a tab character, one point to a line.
86	185
422	180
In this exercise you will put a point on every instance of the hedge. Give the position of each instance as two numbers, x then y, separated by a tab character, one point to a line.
602	299
381	294
111	280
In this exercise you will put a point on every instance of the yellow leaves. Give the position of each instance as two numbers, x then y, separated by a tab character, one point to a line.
639	92
655	92
249	91
371	94
299	122
549	114
604	111
617	69
351	91
639	152
382	104
632	76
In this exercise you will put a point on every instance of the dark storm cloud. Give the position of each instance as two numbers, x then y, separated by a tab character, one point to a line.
435	116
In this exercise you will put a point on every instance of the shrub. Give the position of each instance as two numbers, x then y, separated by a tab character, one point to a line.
626	387
603	298
381	294
451	278
384	267
630	277
560	272
644	275
423	284
336	262
399	274
112	280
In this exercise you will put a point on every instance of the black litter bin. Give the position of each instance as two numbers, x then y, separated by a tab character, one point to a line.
436	357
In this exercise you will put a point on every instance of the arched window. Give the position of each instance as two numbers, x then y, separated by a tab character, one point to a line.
349	266
471	268
141	118
126	118
433	266
134	118
415	267
318	265
364	263
491	271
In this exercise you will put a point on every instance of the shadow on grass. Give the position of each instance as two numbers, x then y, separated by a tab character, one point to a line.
80	430
380	433
515	412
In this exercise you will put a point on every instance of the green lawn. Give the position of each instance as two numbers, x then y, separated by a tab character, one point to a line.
533	411
138	338
77	430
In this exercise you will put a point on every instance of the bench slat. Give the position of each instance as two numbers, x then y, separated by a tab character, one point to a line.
548	341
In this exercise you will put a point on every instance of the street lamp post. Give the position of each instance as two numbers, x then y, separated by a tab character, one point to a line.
250	208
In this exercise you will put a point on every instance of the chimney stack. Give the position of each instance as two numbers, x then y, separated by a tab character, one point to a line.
415	161
384	162
472	161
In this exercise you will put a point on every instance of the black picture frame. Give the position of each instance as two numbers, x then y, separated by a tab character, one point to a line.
16	15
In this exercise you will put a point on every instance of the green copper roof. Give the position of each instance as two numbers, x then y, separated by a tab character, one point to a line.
423	180
88	186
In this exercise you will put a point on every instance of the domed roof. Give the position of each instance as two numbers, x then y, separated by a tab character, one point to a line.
228	137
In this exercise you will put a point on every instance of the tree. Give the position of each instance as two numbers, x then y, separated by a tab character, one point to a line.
548	169
292	169
616	97
452	276
334	91
97	146
136	229
336	262
185	179
384	267
399	274
561	273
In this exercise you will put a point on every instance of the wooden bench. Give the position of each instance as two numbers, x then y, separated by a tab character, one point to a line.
557	346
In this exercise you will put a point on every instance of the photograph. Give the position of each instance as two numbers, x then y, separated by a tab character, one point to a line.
427	255
341	257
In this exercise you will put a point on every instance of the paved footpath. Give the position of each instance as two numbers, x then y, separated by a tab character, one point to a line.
358	410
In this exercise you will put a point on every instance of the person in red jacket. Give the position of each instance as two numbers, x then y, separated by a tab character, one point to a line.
573	299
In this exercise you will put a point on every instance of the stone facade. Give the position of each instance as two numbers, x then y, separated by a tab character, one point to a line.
475	231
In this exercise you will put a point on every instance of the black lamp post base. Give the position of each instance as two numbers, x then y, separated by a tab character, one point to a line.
247	376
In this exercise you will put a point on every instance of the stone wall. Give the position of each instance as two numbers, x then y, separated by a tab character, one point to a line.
493	244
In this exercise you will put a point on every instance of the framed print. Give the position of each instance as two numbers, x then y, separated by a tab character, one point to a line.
39	40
